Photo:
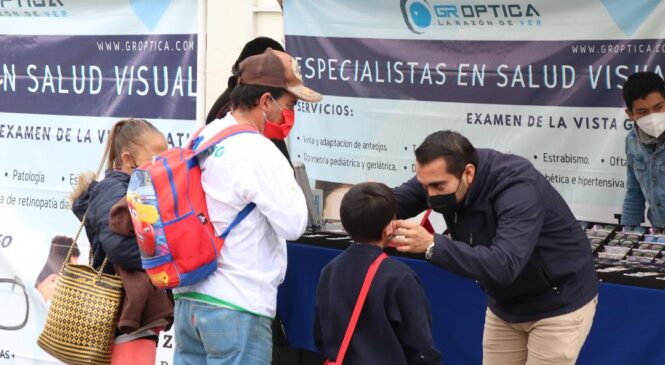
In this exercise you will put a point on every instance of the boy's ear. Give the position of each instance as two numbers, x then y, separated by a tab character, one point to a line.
390	229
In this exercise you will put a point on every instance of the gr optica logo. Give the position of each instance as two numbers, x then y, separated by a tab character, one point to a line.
33	9
417	14
421	15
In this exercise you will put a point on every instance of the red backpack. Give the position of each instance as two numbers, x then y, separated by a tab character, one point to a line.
167	204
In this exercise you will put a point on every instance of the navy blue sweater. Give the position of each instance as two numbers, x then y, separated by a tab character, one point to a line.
395	325
516	236
98	200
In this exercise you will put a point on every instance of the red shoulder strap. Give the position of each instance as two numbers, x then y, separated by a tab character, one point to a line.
358	308
224	133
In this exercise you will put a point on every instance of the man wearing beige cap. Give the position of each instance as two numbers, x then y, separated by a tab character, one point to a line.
225	318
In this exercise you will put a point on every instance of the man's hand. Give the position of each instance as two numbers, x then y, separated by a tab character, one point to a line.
411	237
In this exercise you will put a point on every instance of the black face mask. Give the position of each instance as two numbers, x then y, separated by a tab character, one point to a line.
445	204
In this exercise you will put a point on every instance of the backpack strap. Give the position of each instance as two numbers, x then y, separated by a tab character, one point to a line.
241	215
358	308
197	148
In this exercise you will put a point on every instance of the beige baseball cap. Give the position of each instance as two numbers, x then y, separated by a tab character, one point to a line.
276	69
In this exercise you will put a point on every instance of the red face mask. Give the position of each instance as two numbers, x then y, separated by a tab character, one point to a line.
280	131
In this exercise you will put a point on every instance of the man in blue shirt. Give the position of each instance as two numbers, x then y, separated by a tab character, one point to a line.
644	94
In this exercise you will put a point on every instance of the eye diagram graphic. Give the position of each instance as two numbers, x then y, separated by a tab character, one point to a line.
417	15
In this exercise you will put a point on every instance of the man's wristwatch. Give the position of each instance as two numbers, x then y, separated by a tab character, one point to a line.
430	251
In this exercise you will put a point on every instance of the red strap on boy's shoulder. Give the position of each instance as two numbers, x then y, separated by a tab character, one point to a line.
224	133
357	309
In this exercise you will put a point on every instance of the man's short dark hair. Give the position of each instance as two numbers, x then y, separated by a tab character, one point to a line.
639	85
247	96
453	147
366	210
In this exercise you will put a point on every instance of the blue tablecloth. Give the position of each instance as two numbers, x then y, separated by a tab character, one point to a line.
629	327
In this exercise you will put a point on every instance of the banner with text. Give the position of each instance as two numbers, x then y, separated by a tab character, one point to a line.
69	69
540	79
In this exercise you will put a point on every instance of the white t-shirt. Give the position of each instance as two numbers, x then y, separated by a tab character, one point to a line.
242	169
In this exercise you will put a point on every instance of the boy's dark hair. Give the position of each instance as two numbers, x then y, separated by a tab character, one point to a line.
247	96
453	147
367	209
639	85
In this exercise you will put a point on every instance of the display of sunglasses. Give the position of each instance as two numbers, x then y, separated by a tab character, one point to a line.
642	274
617	250
654	239
613	256
603	227
636	230
602	234
596	241
639	246
651	246
622	243
653	230
637	253
613	242
597	234
627	236
628	243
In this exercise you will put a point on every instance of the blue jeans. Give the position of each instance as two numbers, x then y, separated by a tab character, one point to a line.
212	335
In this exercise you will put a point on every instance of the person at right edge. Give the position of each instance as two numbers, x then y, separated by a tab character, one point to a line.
644	94
513	233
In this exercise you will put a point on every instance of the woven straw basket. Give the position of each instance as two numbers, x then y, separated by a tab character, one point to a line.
81	321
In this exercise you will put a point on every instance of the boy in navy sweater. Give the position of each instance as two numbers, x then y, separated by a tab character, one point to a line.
395	325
